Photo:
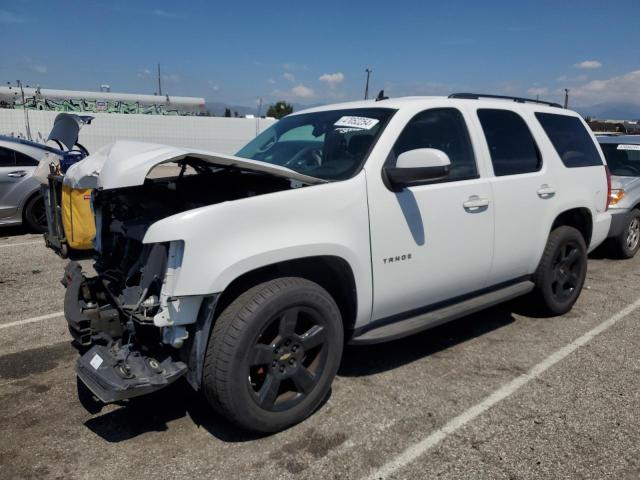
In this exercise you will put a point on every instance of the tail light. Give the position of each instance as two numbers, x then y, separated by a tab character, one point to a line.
606	169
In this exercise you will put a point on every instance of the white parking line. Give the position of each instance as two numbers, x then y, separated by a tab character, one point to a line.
21	244
420	448
31	320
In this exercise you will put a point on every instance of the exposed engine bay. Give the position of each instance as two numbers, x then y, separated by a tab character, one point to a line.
114	315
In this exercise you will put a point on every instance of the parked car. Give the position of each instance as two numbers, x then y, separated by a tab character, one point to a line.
623	158
20	197
361	222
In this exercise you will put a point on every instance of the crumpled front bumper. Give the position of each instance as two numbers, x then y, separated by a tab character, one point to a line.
113	371
114	374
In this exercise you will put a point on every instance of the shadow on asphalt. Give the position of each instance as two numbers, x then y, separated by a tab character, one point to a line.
7	232
358	361
154	412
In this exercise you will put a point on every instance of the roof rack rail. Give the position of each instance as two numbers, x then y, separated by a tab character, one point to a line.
476	96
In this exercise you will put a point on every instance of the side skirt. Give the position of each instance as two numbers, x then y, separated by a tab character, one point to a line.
404	327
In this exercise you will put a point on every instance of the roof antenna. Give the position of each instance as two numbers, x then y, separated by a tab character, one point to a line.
381	96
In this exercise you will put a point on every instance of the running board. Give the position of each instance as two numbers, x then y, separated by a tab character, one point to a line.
433	318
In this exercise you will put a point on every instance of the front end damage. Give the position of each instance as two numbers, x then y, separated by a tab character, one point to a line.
134	335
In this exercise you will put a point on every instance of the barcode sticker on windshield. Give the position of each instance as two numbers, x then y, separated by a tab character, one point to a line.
357	122
628	147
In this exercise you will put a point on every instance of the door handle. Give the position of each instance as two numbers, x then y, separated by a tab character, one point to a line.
17	174
545	191
474	203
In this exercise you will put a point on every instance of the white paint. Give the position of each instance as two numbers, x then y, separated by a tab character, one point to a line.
127	164
39	242
31	320
418	449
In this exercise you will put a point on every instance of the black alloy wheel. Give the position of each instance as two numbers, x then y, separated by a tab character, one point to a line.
561	272
288	359
273	354
567	271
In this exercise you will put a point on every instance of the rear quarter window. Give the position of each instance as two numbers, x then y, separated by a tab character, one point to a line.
571	140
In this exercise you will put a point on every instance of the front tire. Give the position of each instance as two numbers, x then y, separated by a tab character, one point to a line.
562	271
273	354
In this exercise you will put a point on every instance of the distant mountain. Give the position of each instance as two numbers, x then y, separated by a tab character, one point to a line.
614	111
217	108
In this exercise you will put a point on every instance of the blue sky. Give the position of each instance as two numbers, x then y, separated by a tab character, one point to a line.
316	52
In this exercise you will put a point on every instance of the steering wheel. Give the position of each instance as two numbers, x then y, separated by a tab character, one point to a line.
307	157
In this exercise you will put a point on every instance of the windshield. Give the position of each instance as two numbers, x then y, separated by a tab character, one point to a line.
622	159
331	145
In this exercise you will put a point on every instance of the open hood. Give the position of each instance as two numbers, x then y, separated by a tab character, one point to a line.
66	127
127	164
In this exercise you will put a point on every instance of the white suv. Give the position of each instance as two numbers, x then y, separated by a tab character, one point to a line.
360	222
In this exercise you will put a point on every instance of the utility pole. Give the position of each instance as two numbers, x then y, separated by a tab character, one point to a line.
566	98
159	81
366	88
26	112
258	116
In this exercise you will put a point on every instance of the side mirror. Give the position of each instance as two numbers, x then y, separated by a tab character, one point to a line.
417	167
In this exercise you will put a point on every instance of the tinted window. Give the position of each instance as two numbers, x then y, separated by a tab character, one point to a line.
513	150
443	129
622	159
570	139
6	158
23	160
332	144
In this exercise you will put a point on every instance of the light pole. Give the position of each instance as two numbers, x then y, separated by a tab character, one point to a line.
26	113
366	88
566	98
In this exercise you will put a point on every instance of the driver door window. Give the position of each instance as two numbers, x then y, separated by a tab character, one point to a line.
443	129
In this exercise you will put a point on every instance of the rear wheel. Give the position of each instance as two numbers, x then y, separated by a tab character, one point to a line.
562	270
626	244
35	215
273	354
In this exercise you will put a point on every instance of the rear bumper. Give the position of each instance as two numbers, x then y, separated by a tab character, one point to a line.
601	225
619	218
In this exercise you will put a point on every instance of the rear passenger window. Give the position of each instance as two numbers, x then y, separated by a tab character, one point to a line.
6	158
512	147
570	139
443	129
23	160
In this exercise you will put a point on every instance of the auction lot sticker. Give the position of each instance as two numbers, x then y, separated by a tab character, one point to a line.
628	147
357	122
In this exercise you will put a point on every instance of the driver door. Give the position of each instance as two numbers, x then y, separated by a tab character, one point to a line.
431	243
15	170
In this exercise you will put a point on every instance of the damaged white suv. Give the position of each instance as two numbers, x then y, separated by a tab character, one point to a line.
360	222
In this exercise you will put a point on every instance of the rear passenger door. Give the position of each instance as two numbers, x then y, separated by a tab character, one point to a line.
522	192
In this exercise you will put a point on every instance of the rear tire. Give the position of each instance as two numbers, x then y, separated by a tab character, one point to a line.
562	271
626	244
273	354
35	216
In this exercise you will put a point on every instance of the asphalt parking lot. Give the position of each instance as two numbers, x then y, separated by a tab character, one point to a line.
500	394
